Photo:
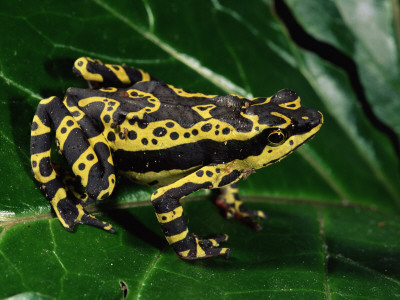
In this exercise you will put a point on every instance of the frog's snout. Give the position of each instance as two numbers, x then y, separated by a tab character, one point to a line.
318	120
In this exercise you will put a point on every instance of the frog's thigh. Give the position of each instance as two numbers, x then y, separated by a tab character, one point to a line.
168	209
87	153
107	75
52	112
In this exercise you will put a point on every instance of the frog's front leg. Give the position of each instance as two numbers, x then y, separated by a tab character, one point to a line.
170	213
231	206
98	74
90	159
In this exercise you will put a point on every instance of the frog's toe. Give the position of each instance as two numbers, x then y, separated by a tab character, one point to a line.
88	219
218	239
85	218
250	222
240	212
71	213
250	217
227	210
243	212
205	248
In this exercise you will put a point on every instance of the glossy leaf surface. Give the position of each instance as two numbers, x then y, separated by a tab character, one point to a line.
333	205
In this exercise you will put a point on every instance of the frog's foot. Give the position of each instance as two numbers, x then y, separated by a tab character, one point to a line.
239	211
73	185
204	248
69	213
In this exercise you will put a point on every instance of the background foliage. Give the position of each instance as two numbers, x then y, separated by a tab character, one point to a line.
333	206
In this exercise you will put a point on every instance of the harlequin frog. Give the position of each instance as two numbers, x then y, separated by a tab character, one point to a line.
131	124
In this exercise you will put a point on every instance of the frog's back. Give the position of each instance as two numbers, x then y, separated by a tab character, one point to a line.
159	133
186	109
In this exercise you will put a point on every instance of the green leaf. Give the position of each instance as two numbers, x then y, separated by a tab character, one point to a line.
364	31
333	205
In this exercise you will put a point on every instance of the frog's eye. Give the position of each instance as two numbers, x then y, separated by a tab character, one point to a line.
276	138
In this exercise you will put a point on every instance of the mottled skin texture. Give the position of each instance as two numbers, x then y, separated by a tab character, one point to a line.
136	126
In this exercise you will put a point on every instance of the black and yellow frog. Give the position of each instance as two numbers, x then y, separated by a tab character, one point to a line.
134	125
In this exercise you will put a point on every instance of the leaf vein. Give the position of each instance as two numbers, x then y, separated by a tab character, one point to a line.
151	267
324	246
14	267
11	82
352	262
272	290
217	79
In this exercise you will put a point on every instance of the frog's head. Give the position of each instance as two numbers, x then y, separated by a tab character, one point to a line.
283	125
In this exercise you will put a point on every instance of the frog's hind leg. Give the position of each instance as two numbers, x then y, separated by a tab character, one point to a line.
170	213
231	206
100	75
80	153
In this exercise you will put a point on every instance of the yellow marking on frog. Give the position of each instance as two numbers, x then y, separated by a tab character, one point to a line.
85	73
97	139
64	130
182	93
214	242
68	183
119	71
86	101
280	152
163	177
145	75
81	213
230	195
101	139
293	105
305	118
109	89
267	100
154	104
37	157
192	177
223	250
108	227
199	251
266	157
60	194
254	119
83	197
170	216
261	214
73	109
88	164
204	110
287	120
165	142
111	185
177	237
41	129
46	100
238	96
184	253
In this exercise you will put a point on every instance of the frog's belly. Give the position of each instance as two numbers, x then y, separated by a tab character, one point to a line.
157	179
